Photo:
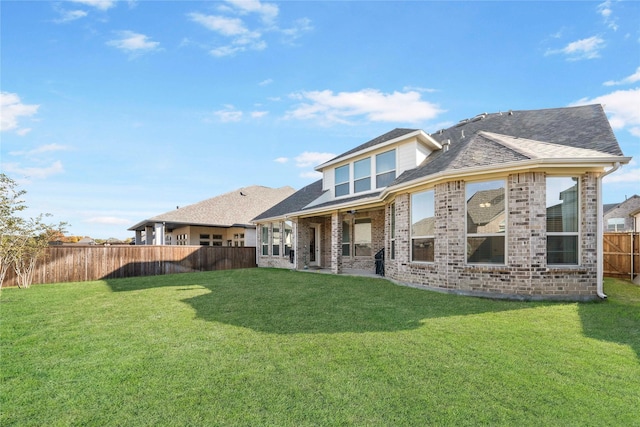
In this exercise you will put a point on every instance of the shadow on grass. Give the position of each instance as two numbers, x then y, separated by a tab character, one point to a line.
617	319
286	302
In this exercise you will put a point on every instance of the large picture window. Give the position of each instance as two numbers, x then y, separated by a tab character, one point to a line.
362	237
486	222
362	175
562	220
422	226
342	180
385	168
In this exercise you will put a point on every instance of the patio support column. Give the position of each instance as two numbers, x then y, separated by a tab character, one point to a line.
148	235
336	243
138	237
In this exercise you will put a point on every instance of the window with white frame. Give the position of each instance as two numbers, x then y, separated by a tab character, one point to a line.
288	237
275	239
362	175
423	226
392	231
265	240
486	222
342	181
385	168
562	220
362	237
346	238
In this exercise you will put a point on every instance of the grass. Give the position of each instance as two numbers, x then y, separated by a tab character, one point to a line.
274	347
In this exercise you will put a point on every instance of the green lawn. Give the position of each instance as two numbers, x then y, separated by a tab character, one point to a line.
274	347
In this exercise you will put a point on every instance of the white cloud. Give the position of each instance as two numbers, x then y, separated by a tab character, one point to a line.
265	82
267	11
281	160
633	78
300	26
258	114
310	158
588	48
70	15
604	9
371	104
47	148
622	108
133	42
34	172
12	108
240	37
229	114
108	220
98	4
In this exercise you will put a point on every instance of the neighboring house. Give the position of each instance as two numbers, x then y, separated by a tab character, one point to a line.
621	216
220	221
504	204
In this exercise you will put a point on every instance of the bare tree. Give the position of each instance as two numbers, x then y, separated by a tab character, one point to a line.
10	204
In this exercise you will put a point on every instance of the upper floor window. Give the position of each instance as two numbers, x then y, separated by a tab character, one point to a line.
342	180
422	226
362	175
562	220
385	168
486	219
615	224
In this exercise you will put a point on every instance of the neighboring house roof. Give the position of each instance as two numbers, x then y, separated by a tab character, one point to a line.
623	209
235	208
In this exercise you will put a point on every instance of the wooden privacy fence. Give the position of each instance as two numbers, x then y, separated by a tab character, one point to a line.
79	264
621	253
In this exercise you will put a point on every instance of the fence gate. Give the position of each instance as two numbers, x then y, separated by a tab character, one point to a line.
621	255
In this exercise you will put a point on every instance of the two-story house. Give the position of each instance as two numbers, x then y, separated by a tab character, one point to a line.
504	204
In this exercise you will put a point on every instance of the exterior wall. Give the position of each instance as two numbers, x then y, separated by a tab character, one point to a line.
377	239
525	273
624	210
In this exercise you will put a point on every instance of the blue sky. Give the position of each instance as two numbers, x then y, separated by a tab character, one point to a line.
116	111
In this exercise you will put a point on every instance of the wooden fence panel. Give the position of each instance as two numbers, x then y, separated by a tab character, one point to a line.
621	253
80	264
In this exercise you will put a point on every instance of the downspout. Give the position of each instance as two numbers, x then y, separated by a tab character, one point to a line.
599	232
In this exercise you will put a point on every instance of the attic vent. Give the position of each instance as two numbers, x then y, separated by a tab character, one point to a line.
445	145
462	136
511	112
242	194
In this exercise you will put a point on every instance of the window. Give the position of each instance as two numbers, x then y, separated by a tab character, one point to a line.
562	220
486	219
265	240
392	223
342	180
362	175
204	243
275	237
423	226
362	237
204	236
346	238
385	168
181	239
288	237
615	224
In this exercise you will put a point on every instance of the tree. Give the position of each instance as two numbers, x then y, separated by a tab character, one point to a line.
23	242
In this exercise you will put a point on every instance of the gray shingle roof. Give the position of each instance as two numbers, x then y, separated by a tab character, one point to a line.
294	202
237	207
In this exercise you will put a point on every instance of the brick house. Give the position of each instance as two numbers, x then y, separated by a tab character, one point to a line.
502	205
622	217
